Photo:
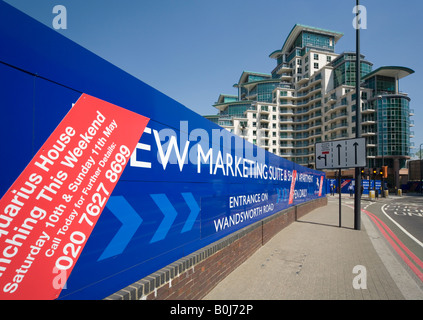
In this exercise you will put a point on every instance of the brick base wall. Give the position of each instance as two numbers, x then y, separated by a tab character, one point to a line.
192	277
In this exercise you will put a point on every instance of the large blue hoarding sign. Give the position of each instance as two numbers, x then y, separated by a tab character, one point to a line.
187	184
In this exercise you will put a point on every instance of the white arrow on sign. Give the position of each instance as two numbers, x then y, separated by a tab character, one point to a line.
341	154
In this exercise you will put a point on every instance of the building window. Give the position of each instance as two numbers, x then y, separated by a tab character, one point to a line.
316	65
328	58
316	56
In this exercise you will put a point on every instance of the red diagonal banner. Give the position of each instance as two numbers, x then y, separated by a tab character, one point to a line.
47	215
292	190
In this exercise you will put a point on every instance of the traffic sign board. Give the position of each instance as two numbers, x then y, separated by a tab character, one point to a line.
341	154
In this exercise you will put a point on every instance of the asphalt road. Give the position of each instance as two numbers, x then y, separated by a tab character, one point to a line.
400	221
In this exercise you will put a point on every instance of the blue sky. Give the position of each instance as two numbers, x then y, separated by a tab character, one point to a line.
193	50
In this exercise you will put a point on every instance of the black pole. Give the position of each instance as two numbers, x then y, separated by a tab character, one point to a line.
383	157
339	185
357	198
421	173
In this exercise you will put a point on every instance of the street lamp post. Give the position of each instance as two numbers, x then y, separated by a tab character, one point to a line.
379	98
421	186
357	195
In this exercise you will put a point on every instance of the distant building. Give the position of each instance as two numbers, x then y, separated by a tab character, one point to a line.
310	97
415	170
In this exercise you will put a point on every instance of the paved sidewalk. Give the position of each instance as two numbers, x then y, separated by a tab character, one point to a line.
314	259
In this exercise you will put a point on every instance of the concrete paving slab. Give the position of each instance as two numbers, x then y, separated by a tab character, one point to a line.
314	258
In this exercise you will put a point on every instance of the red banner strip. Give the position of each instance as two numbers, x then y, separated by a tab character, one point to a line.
47	215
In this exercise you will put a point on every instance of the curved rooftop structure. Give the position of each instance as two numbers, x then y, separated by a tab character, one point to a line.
396	72
292	39
250	76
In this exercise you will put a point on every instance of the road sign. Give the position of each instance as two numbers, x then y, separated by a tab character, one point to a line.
341	154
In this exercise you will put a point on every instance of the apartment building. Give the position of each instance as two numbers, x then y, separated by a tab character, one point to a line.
309	97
